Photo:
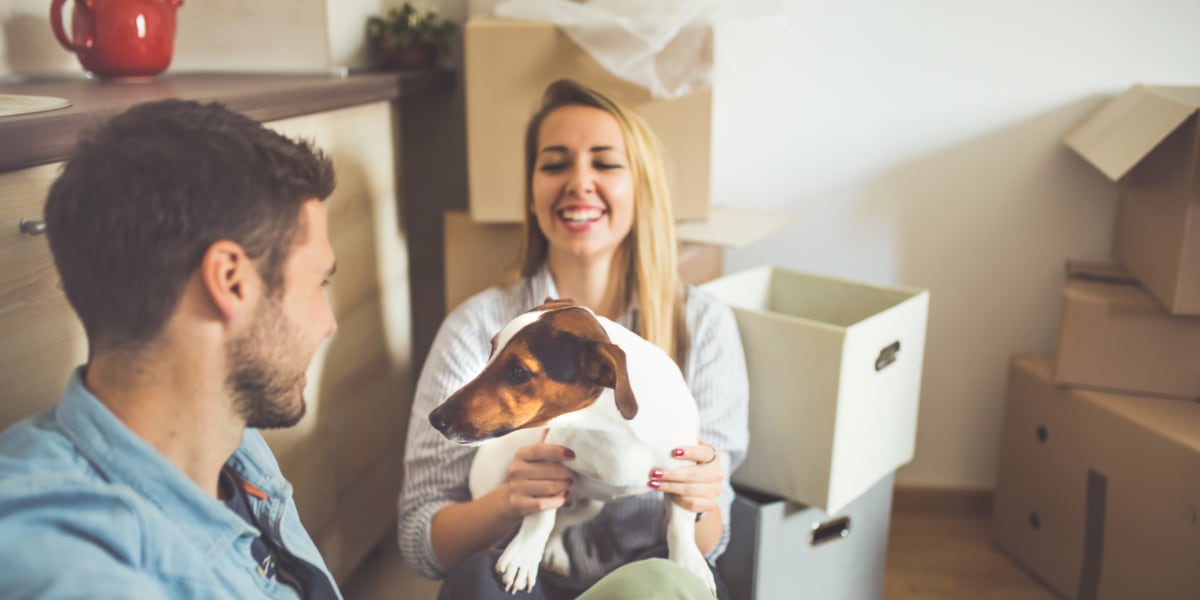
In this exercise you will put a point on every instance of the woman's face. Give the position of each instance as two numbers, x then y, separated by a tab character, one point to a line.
582	186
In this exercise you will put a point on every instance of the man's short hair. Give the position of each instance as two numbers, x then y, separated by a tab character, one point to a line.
142	198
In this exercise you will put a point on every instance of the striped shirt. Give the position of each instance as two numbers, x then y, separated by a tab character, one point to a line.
436	469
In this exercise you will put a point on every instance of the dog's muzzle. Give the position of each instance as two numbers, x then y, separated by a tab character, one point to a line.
449	420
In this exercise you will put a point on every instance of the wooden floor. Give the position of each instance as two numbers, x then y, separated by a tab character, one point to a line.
930	557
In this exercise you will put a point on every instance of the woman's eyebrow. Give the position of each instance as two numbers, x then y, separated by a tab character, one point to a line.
563	149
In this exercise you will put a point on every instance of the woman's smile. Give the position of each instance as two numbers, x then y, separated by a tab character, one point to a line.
580	219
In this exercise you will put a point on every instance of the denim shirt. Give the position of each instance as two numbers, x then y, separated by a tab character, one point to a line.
89	510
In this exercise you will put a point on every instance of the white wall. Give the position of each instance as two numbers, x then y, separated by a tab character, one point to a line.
918	143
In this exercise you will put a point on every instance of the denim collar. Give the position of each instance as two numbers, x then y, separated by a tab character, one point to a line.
124	459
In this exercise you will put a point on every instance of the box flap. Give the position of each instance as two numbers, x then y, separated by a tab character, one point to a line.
1120	133
731	227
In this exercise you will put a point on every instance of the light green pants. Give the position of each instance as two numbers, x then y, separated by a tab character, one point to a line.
650	579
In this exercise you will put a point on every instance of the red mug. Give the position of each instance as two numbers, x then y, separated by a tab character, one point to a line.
119	38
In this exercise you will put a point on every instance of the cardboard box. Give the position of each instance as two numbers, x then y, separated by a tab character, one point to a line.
1113	335
835	375
479	254
700	263
1147	139
778	549
508	64
1096	492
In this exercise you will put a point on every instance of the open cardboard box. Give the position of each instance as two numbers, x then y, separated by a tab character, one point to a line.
1147	139
1113	335
835	376
507	65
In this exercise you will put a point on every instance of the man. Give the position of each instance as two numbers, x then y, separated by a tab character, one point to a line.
192	243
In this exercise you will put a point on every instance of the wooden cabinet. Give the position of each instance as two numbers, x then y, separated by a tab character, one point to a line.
345	458
42	339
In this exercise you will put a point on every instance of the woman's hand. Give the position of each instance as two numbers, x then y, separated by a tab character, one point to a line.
537	479
695	487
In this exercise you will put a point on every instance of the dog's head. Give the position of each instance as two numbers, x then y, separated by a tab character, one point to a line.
550	361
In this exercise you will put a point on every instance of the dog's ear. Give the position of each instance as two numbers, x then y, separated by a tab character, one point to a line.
606	366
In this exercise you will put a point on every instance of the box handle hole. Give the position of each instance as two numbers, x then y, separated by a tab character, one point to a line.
887	356
829	531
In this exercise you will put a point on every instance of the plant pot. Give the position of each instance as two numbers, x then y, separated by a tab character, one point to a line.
421	55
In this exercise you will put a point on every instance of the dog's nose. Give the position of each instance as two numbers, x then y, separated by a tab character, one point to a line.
437	418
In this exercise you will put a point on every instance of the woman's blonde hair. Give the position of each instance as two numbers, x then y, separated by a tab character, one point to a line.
648	254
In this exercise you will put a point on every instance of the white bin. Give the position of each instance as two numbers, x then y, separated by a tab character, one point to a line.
835	375
779	550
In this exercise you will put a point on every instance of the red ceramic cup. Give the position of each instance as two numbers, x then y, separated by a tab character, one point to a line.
119	38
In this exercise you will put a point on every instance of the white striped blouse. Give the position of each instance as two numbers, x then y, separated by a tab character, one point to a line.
436	469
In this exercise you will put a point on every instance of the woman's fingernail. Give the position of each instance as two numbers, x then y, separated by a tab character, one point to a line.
656	473
653	484
677	452
569	453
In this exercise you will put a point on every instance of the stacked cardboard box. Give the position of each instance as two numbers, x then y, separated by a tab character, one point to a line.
1096	492
507	66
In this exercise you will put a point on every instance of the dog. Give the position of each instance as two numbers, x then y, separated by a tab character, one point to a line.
562	367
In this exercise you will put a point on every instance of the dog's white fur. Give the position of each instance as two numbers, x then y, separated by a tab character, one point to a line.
613	458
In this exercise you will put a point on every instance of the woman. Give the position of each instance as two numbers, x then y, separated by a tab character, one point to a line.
599	230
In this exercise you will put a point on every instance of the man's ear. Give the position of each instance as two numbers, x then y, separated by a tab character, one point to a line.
227	275
606	367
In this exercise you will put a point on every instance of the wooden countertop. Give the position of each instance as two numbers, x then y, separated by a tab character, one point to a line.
38	138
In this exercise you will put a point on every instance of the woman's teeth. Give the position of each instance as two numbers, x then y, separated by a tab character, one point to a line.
580	215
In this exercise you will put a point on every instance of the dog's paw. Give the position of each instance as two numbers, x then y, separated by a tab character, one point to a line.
694	562
555	557
518	568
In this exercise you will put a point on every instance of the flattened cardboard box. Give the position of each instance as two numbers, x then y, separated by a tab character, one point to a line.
507	66
1147	139
1113	335
1097	493
479	254
835	377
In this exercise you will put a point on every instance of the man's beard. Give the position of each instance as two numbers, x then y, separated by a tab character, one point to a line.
264	393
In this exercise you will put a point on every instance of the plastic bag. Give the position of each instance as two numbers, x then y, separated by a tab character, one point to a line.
665	46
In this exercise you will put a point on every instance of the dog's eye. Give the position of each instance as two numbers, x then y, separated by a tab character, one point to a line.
517	374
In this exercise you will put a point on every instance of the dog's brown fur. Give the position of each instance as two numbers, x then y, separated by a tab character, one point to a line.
558	364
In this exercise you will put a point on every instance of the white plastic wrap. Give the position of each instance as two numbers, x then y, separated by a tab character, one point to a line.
665	46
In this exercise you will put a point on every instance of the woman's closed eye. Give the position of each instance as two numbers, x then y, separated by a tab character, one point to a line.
598	165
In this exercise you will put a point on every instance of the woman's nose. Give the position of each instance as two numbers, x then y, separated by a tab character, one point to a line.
581	183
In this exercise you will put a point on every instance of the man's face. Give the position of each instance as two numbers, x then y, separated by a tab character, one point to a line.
267	363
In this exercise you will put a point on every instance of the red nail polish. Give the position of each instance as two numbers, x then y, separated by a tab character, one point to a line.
653	484
656	473
569	453
677	452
